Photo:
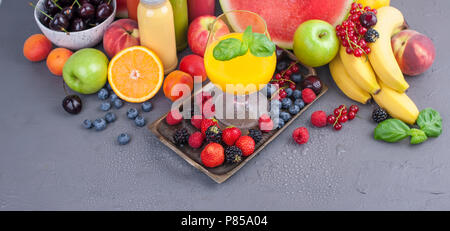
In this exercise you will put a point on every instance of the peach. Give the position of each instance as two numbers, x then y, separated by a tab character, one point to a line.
37	47
415	52
121	34
198	33
56	60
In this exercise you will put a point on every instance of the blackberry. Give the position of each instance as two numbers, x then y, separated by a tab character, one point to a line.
181	136
233	154
213	134
255	134
371	35
379	115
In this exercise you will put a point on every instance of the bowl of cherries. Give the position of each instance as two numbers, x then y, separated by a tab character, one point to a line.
74	24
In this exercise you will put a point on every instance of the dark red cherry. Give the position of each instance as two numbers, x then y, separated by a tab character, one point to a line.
72	104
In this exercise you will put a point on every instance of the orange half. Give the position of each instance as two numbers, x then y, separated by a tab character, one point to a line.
136	74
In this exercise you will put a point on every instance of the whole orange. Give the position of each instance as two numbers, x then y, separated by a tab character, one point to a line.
37	47
176	84
56	60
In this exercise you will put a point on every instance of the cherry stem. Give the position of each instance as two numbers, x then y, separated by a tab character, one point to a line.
64	87
79	5
356	45
56	4
46	15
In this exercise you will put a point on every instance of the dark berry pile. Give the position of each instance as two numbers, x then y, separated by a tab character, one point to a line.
352	32
213	134
255	134
341	115
181	137
379	115
75	15
233	154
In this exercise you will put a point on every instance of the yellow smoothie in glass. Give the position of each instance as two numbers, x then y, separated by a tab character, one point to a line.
245	70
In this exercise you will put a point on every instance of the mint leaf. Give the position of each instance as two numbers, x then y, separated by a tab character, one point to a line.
227	49
417	136
391	130
430	121
247	40
262	46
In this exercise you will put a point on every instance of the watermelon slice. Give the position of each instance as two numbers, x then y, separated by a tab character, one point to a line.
284	16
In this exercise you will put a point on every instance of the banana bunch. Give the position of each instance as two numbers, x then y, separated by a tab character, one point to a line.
377	76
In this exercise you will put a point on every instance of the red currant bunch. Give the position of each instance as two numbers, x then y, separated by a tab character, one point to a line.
341	115
352	31
283	77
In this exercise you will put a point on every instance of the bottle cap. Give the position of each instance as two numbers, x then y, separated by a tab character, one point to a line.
152	2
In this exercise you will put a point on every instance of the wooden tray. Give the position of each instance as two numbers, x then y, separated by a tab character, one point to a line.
219	174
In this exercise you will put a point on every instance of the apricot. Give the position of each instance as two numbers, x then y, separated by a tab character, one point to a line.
56	60
176	84
37	47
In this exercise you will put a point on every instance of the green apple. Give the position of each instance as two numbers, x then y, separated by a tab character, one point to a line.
86	71
315	43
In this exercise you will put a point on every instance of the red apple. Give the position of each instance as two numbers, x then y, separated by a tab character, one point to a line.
121	34
194	65
414	52
122	10
199	30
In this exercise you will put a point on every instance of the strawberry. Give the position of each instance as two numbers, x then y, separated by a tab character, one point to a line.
230	135
246	144
213	155
206	123
265	123
174	117
196	121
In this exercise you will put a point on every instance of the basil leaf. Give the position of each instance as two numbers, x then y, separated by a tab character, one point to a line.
227	49
391	130
247	39
430	121
417	136
262	46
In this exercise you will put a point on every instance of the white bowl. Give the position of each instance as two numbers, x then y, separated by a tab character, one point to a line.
74	40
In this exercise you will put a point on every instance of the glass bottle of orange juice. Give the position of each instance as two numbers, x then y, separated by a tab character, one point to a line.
157	30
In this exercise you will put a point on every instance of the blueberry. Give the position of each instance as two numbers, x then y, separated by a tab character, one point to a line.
132	113
278	122
108	86
285	116
123	139
296	77
286	103
113	97
146	106
99	124
288	92
139	121
275	103
105	106
282	65
300	103
110	117
118	103
274	112
87	124
103	94
269	90
297	94
294	109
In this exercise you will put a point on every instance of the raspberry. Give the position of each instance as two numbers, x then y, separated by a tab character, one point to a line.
174	117
319	119
196	140
265	123
308	95
301	135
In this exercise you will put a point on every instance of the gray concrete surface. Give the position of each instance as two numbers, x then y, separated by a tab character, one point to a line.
49	162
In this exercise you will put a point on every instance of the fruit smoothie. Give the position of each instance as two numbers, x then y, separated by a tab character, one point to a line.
132	6
180	13
157	31
245	70
200	7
